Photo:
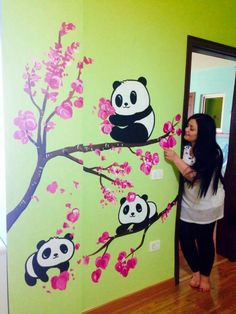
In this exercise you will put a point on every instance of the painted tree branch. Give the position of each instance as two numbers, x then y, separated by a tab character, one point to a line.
43	158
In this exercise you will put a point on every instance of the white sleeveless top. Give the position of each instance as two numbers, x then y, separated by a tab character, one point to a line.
202	210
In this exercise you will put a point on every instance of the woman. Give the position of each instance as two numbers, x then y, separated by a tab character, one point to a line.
203	196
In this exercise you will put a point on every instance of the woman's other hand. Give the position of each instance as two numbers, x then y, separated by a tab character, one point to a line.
170	154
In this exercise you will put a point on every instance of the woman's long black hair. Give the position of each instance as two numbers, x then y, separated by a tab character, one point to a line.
208	154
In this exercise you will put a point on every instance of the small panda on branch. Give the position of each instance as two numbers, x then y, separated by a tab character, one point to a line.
134	119
136	214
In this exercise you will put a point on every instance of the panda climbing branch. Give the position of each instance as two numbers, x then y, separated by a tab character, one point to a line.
125	232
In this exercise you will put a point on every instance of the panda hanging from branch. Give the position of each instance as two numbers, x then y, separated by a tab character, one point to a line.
134	119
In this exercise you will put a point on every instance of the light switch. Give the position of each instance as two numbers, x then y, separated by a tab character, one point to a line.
157	174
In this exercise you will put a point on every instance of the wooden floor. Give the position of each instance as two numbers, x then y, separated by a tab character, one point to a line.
183	299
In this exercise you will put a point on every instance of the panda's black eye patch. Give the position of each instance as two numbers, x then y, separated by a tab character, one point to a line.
63	248
133	97
138	208
119	100
126	209
46	253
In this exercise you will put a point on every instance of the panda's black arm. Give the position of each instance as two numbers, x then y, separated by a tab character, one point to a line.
121	120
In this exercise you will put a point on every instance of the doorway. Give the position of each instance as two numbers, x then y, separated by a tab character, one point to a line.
209	85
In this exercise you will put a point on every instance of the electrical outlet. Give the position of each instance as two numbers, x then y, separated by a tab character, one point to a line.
157	174
154	245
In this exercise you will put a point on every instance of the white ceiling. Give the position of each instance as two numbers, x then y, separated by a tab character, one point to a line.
201	61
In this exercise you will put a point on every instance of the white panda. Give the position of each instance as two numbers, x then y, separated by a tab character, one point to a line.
54	253
136	215
134	118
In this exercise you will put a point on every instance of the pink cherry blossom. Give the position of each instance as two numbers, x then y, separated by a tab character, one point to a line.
167	127
50	126
102	261
87	60
178	131
132	262
54	82
79	102
73	216
95	276
104	237
145	168
155	159
178	117
171	141
131	197
52	187
66	28
86	260
106	127
122	255
77	86
126	167
60	282
64	110
77	246
138	152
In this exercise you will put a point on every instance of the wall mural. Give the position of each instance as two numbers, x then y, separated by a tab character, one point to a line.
128	118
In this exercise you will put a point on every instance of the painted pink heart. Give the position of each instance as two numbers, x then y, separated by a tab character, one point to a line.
96	275
52	187
60	282
73	216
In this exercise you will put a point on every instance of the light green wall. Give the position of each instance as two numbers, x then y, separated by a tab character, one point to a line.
127	39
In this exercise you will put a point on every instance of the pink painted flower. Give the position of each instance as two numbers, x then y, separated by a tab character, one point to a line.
79	102
145	168
50	126
73	216
104	237
77	246
132	262
167	127
60	282
131	197
86	260
138	152
106	127
178	117
52	187
54	82
122	255
155	159
77	86
178	131
65	110
102	261
26	121
126	167
66	28
87	60
171	141
95	276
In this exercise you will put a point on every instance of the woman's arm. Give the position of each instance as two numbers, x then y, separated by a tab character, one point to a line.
183	168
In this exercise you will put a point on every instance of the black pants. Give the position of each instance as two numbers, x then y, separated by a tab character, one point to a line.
197	245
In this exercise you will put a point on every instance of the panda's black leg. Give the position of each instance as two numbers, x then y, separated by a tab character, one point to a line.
31	281
134	133
64	266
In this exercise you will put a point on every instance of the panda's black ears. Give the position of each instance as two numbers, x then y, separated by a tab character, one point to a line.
122	200
142	80
116	84
40	244
144	197
69	236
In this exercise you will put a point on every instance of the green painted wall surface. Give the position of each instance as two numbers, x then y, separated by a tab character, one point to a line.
127	39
